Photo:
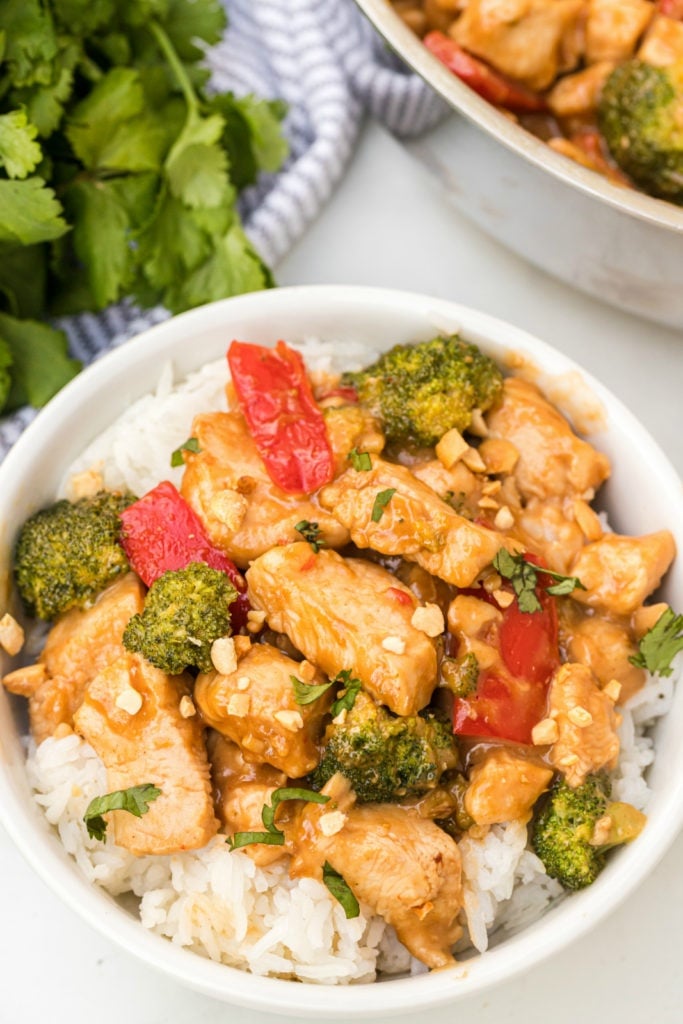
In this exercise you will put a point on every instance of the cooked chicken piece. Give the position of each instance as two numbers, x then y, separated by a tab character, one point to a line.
255	707
504	786
620	572
579	93
458	486
521	38
663	43
413	522
553	461
347	614
131	716
614	27
80	644
241	789
586	724
404	867
602	646
549	529
227	485
351	427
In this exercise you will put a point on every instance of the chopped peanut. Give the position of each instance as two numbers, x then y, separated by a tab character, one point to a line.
332	822
504	518
612	690
255	620
239	704
129	700
223	655
291	720
187	708
11	634
242	646
588	520
394	644
544	732
229	507
451	448
474	461
500	456
579	716
306	671
429	619
504	597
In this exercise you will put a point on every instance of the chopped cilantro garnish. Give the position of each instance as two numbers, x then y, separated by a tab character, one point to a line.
304	693
341	890
661	644
135	800
381	501
311	533
273	836
360	461
524	578
351	689
191	445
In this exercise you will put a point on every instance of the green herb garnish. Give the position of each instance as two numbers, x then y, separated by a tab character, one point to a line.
351	689
381	501
307	694
524	578
311	533
360	461
273	836
191	445
135	800
340	890
661	644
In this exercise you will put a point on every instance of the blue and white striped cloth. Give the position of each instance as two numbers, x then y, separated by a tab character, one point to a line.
326	62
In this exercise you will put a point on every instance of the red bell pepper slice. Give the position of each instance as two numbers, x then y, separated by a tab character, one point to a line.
489	84
508	702
160	532
287	426
671	9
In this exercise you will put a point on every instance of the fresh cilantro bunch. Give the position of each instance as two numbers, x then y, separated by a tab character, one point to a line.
119	173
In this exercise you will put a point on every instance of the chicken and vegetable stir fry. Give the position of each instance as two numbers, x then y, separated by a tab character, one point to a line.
379	615
600	80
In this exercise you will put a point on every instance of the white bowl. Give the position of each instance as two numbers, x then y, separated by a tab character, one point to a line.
642	495
618	244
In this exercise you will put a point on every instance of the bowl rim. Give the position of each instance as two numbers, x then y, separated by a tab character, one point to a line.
534	943
480	112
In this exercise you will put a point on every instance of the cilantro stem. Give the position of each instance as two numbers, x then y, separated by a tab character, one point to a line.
168	50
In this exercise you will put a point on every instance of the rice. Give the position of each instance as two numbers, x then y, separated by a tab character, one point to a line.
218	903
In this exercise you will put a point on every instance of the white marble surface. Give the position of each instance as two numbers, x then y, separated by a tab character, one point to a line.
388	224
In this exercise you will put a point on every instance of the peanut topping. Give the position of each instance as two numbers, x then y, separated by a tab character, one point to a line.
291	720
612	689
544	732
504	518
11	634
451	448
306	671
224	655
229	507
239	704
580	716
504	597
242	646
243	683
187	708
429	619
332	822
85	485
474	461
255	620
129	700
394	644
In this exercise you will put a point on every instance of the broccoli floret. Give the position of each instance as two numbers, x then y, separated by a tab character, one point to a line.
577	826
420	391
386	757
640	114
67	553
185	611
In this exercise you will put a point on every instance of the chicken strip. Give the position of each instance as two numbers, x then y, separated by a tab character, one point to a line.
521	38
620	572
504	786
553	461
614	27
586	723
79	645
255	706
411	521
348	614
131	715
241	789
404	867
605	647
227	485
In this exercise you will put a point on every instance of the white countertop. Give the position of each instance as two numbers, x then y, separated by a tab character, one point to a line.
388	224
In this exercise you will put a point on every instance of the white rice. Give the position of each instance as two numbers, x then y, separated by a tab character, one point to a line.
217	902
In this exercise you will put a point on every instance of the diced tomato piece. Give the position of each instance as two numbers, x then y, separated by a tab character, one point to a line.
160	532
504	708
489	84
287	426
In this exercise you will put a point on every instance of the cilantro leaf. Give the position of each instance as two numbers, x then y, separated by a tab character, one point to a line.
191	445
274	836
29	212
360	461
30	40
5	377
381	501
341	890
304	693
22	279
101	239
41	365
196	168
115	99
351	689
135	800
188	23
311	533
661	644
524	578
19	153
231	268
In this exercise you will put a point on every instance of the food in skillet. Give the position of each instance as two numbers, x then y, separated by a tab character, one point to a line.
600	80
358	682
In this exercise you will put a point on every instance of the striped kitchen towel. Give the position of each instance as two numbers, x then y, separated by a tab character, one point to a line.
326	62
